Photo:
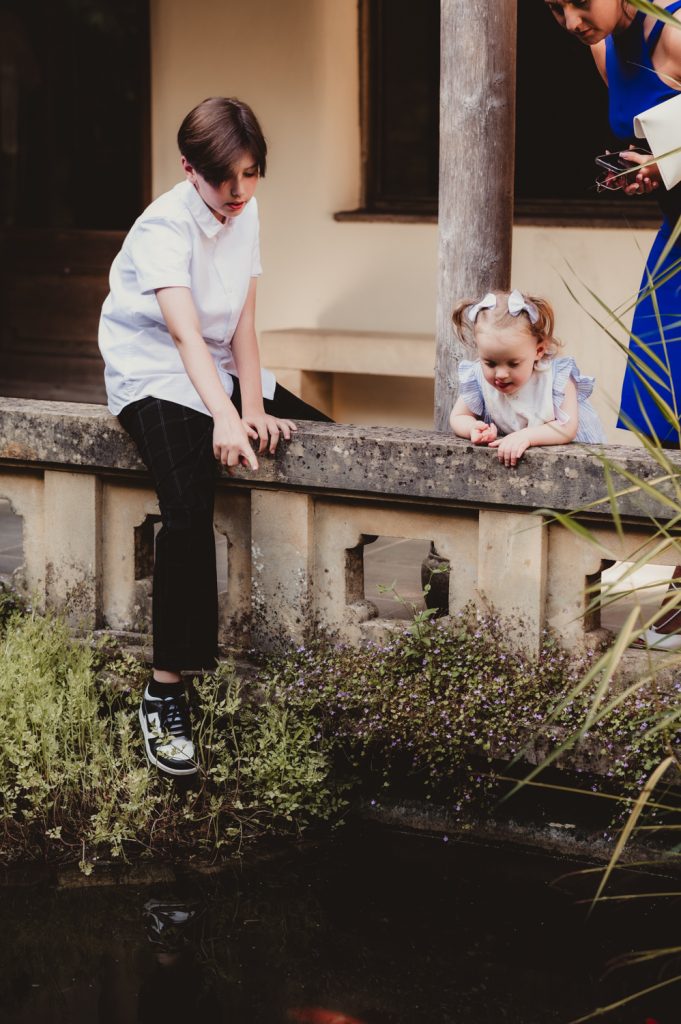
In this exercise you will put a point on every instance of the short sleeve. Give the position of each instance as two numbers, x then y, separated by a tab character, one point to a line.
565	369
256	265
469	387
161	255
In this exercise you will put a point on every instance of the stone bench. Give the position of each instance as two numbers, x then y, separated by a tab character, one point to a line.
356	376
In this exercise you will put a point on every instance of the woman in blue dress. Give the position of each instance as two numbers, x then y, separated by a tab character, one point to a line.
639	57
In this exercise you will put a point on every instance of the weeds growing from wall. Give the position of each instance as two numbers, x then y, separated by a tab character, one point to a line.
74	782
437	707
448	703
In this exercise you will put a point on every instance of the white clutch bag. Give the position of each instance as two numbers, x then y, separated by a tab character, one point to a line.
661	127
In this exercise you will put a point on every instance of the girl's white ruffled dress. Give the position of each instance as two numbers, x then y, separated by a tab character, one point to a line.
538	401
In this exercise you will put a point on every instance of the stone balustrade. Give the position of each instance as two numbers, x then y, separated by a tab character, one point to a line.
295	530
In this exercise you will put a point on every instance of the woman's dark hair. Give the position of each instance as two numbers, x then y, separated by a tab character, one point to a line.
216	134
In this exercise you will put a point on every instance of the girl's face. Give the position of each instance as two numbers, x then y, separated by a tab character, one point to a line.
507	356
591	20
229	198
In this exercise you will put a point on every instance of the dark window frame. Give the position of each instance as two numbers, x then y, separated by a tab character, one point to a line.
99	139
592	212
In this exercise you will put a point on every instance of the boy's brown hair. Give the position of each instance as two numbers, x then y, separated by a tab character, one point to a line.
216	134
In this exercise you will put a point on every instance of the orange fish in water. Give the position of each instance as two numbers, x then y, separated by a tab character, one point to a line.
318	1015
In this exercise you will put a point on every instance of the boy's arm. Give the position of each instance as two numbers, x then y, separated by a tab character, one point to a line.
230	439
247	359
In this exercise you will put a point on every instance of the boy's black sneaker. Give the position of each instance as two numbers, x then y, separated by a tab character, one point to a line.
167	732
168	923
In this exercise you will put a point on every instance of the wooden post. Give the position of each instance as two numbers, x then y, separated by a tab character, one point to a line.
477	156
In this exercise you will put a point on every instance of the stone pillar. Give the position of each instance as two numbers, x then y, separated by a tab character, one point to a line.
512	568
233	519
477	155
126	595
572	561
340	605
281	566
73	582
459	544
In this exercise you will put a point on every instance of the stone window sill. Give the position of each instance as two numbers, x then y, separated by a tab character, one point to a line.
592	213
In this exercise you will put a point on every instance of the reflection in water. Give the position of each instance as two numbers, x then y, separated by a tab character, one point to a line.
178	987
168	923
372	927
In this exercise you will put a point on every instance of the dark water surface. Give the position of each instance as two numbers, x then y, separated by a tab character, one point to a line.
381	926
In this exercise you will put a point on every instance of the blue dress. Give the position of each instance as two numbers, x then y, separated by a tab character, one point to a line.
635	86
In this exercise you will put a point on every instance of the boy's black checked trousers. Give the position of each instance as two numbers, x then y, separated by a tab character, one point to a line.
176	444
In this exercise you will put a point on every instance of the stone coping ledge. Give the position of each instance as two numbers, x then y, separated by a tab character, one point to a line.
383	462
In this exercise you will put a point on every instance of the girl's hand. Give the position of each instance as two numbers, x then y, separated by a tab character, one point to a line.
511	447
267	430
648	178
231	445
483	433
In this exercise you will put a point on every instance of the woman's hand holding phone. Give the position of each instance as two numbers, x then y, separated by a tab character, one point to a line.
648	177
645	181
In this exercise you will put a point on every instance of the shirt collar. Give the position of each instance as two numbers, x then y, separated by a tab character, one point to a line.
201	213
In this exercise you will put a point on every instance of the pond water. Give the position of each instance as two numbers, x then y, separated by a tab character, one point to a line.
372	926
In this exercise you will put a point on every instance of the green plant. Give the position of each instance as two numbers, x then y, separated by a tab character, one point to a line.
439	704
443	704
73	779
10	603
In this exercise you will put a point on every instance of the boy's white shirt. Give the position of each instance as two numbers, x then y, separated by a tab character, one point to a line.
661	127
177	242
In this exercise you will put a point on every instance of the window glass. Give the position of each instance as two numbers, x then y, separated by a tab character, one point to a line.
404	54
73	112
561	114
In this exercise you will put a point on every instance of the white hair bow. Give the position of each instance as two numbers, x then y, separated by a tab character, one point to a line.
516	306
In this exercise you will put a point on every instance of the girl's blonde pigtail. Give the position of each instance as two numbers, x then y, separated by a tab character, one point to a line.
545	325
462	325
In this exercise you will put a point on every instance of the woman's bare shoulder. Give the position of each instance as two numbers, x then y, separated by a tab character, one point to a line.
667	56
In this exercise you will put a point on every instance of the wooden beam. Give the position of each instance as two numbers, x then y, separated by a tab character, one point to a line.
477	156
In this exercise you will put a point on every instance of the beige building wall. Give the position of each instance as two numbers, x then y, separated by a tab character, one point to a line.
296	63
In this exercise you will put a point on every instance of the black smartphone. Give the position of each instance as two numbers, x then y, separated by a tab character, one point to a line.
614	163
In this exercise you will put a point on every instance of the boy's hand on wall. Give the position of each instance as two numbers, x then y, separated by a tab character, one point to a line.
231	445
267	430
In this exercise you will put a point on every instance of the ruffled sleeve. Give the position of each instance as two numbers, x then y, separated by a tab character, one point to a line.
589	428
469	386
565	369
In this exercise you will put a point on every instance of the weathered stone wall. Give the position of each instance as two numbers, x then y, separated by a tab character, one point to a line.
295	529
